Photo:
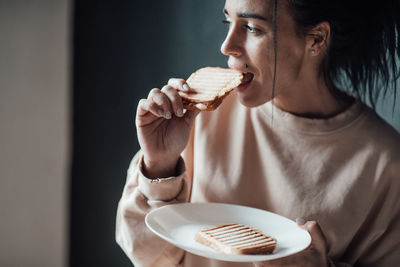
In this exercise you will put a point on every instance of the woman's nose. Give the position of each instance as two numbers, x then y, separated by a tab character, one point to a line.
231	45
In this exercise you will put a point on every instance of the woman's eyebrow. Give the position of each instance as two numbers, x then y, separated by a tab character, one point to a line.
248	15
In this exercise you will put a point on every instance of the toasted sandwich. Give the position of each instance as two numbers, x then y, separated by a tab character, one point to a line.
209	86
236	239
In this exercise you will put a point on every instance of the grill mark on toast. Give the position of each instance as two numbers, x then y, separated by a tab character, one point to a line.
227	232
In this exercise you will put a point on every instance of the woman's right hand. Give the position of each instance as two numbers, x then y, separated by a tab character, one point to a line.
163	129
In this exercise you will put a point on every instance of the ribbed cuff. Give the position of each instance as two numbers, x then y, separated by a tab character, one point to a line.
163	189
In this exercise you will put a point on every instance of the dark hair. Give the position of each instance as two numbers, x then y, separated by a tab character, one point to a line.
364	46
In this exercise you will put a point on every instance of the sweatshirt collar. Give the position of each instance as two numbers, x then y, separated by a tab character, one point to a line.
279	117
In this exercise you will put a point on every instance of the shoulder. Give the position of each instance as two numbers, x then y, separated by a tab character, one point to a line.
382	135
383	144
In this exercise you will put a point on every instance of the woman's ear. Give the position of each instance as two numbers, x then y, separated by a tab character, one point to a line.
318	38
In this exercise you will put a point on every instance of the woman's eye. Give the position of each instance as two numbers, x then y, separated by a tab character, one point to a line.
226	22
248	28
252	29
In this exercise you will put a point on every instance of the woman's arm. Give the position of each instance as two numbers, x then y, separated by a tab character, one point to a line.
141	195
157	174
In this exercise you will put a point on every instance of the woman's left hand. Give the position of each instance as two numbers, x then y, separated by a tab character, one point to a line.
314	255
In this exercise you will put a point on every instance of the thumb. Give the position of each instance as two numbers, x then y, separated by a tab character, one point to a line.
190	115
317	236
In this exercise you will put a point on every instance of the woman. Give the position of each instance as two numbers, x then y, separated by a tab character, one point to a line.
289	141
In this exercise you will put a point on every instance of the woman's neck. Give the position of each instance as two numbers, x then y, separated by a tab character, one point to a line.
313	100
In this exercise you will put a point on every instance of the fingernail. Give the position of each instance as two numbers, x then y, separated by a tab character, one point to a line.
160	112
186	87
179	112
300	221
168	115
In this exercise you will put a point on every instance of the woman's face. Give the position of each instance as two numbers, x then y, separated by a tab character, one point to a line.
250	42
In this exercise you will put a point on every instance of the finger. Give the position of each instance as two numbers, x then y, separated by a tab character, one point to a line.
190	115
300	221
179	84
317	236
145	106
162	102
146	112
175	99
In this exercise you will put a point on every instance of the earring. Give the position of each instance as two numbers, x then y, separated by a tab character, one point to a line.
313	51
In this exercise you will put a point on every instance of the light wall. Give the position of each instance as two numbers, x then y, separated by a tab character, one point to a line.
34	132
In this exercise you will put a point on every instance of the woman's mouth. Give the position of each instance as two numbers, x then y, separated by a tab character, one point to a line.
247	79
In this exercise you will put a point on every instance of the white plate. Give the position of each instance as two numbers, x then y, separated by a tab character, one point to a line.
178	224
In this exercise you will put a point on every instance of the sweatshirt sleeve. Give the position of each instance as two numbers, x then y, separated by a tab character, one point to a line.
378	240
385	250
141	195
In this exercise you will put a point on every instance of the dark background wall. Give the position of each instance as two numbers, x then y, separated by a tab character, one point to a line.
121	50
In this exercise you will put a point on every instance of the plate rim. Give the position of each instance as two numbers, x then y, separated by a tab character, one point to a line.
261	257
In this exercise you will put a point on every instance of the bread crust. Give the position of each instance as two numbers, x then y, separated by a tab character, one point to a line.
202	105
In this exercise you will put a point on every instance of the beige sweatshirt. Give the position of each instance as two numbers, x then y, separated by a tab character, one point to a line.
343	172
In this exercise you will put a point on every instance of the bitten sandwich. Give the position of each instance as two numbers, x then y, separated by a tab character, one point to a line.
236	239
209	86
